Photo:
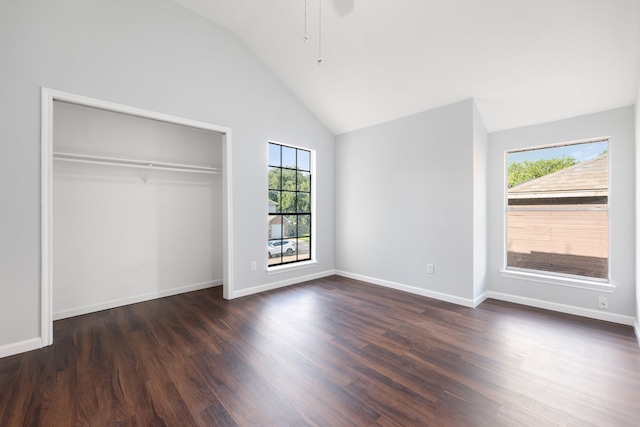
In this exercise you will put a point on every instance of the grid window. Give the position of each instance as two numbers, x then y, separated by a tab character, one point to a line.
557	210
290	213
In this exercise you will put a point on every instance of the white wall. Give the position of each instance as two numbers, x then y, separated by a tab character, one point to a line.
404	198
480	146
154	55
123	235
637	146
618	124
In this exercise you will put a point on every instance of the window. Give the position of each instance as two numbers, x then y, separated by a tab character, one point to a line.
557	210
290	213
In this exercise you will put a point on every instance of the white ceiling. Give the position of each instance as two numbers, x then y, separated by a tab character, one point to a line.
523	61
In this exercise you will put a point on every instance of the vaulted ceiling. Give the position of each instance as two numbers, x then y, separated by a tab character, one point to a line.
523	61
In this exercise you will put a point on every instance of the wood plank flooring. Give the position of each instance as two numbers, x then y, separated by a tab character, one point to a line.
331	352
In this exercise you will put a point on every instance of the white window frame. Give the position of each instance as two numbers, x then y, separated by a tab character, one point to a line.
549	277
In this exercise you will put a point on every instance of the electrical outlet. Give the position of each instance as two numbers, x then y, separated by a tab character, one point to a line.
253	266
603	304
429	268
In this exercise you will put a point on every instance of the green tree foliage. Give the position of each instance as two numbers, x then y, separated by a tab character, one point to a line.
520	172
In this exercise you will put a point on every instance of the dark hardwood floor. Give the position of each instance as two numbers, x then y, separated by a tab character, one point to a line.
331	352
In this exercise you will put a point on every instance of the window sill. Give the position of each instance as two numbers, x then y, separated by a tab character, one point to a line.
291	267
591	285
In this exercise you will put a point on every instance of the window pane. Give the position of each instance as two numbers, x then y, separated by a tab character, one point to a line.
304	225
304	160
288	157
274	155
527	165
274	260
274	201
568	242
275	227
288	179
274	252
288	202
304	181
289	250
304	253
275	179
304	202
291	224
304	241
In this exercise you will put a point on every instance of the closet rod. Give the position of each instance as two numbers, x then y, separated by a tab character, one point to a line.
140	164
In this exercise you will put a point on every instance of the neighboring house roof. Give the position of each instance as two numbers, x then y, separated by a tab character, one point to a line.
586	179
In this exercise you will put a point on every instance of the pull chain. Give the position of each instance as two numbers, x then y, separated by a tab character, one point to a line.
319	32
306	37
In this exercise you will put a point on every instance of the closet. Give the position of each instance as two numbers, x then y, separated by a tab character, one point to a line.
137	209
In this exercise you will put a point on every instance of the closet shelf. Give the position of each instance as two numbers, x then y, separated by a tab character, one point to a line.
142	164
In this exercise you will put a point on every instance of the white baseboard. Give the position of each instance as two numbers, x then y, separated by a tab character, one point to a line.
637	329
20	347
563	308
281	284
480	299
134	299
414	290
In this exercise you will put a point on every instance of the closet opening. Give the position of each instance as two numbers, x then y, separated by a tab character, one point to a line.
135	206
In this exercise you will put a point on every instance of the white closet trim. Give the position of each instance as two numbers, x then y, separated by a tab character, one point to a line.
131	163
48	96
